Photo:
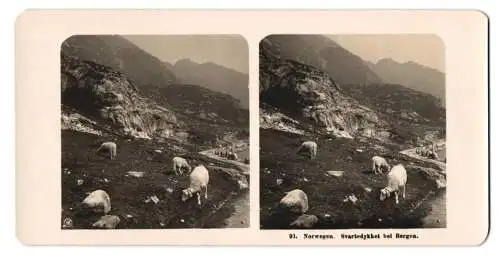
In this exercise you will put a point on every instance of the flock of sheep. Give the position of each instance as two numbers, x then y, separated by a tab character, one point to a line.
99	200
224	152
296	200
429	151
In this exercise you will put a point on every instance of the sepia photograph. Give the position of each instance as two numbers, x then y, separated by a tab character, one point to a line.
154	132
352	131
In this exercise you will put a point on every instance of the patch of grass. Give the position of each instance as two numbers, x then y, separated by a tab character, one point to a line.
128	194
326	193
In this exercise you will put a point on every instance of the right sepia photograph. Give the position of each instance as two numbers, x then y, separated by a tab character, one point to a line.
352	131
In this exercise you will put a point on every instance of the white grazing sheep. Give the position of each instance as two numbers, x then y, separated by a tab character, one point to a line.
396	179
198	181
295	201
179	163
310	146
378	162
110	147
99	201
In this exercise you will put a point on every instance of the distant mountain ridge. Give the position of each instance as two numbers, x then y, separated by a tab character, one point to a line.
121	55
301	98
323	53
413	75
215	77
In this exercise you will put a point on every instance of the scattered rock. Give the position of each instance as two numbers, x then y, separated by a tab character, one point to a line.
279	181
295	201
129	216
158	151
169	190
149	158
67	223
336	173
359	150
440	184
79	182
182	220
305	221
367	189
242	184
136	174
99	201
162	224
107	221
154	199
306	180
351	198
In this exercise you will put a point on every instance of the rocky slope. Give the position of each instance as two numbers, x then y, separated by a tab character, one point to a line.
214	77
412	75
101	93
321	52
311	96
121	55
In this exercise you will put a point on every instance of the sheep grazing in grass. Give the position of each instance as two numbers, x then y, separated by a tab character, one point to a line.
98	201
377	163
396	180
198	181
310	147
109	147
179	164
295	201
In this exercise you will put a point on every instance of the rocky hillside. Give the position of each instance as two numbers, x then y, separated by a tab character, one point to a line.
308	94
321	52
414	117
214	77
296	97
121	55
412	75
98	92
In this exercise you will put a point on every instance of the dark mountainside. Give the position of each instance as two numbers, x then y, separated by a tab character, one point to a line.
300	102
150	124
121	55
109	97
412	75
321	52
309	95
214	77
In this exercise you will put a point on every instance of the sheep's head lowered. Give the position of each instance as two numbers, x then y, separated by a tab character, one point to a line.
186	194
384	194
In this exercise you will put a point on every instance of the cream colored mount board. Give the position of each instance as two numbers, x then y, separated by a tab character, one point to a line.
251	127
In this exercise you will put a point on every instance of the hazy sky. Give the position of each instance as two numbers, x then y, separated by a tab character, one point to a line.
427	50
226	50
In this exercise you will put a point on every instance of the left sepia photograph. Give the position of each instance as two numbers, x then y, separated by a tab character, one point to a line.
154	132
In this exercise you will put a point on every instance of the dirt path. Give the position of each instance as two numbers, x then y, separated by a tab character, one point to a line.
437	217
241	215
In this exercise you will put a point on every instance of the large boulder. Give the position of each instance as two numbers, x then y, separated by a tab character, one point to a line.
294	201
98	201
